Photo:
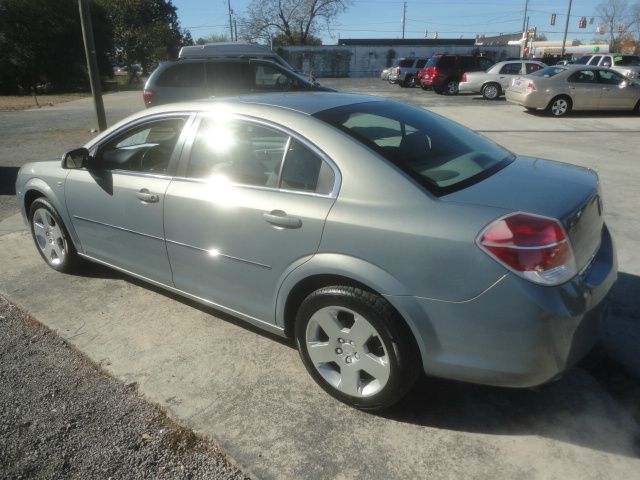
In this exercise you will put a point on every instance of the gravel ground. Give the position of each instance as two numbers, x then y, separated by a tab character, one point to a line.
62	417
22	102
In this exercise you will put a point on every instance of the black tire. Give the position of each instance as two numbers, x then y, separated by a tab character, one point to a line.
424	87
636	109
451	87
391	342
491	91
438	90
51	237
406	82
559	106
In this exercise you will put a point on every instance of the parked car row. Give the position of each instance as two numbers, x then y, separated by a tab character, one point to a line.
593	82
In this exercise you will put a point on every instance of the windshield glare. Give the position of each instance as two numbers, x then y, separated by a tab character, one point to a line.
439	153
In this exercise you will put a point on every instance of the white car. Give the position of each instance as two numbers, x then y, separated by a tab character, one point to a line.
495	81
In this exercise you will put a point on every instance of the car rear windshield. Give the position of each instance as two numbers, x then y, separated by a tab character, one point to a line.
438	153
547	72
406	63
627	60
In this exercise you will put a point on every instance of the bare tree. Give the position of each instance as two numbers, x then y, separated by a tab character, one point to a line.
294	21
614	13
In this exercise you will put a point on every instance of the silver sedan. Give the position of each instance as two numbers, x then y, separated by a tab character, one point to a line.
495	81
560	89
385	240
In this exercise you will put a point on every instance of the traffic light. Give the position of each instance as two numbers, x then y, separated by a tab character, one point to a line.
582	23
553	19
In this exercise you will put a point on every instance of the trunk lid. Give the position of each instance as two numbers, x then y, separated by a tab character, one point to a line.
566	192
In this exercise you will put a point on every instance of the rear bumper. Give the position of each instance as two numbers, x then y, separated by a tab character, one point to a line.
469	87
515	334
537	100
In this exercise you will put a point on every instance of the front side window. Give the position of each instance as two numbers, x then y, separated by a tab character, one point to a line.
485	63
583	76
440	154
511	69
609	77
626	60
229	77
406	63
144	148
594	60
268	78
582	60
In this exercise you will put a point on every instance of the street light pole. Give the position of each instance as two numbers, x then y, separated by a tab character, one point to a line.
566	29
524	19
92	62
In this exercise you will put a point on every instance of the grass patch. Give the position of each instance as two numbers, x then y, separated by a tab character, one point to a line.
9	103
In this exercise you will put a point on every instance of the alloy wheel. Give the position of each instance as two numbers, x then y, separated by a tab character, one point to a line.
347	351
559	107
490	92
49	237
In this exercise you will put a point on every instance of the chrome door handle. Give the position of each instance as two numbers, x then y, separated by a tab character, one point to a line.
146	196
278	218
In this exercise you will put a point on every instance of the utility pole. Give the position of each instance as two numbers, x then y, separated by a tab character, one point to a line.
566	29
235	29
526	38
230	24
404	17
524	19
92	62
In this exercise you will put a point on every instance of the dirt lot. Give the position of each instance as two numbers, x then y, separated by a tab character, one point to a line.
61	416
10	103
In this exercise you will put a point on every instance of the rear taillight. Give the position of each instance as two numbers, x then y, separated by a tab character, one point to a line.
398	71
531	87
534	247
464	77
147	96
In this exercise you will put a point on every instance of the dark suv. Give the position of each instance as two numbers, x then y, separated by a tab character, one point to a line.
188	79
443	72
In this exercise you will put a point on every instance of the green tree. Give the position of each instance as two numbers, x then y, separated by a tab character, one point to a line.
295	22
41	44
144	31
214	38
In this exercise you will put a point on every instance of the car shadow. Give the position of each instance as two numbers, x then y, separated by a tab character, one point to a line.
8	177
586	114
594	405
95	270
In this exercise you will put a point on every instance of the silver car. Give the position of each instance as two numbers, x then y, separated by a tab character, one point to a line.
384	239
560	89
495	81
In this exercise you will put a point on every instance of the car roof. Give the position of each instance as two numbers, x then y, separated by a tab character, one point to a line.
305	103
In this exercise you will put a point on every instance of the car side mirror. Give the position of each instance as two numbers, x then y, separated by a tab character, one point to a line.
76	158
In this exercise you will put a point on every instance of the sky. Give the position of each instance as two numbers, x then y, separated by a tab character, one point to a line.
383	18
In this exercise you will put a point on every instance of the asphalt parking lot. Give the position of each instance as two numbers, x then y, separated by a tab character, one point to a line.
249	392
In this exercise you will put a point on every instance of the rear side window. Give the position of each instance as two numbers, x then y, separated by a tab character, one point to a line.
446	62
532	67
583	76
225	77
511	69
305	171
627	60
183	75
421	63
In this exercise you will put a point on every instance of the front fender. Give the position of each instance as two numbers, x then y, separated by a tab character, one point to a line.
55	196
